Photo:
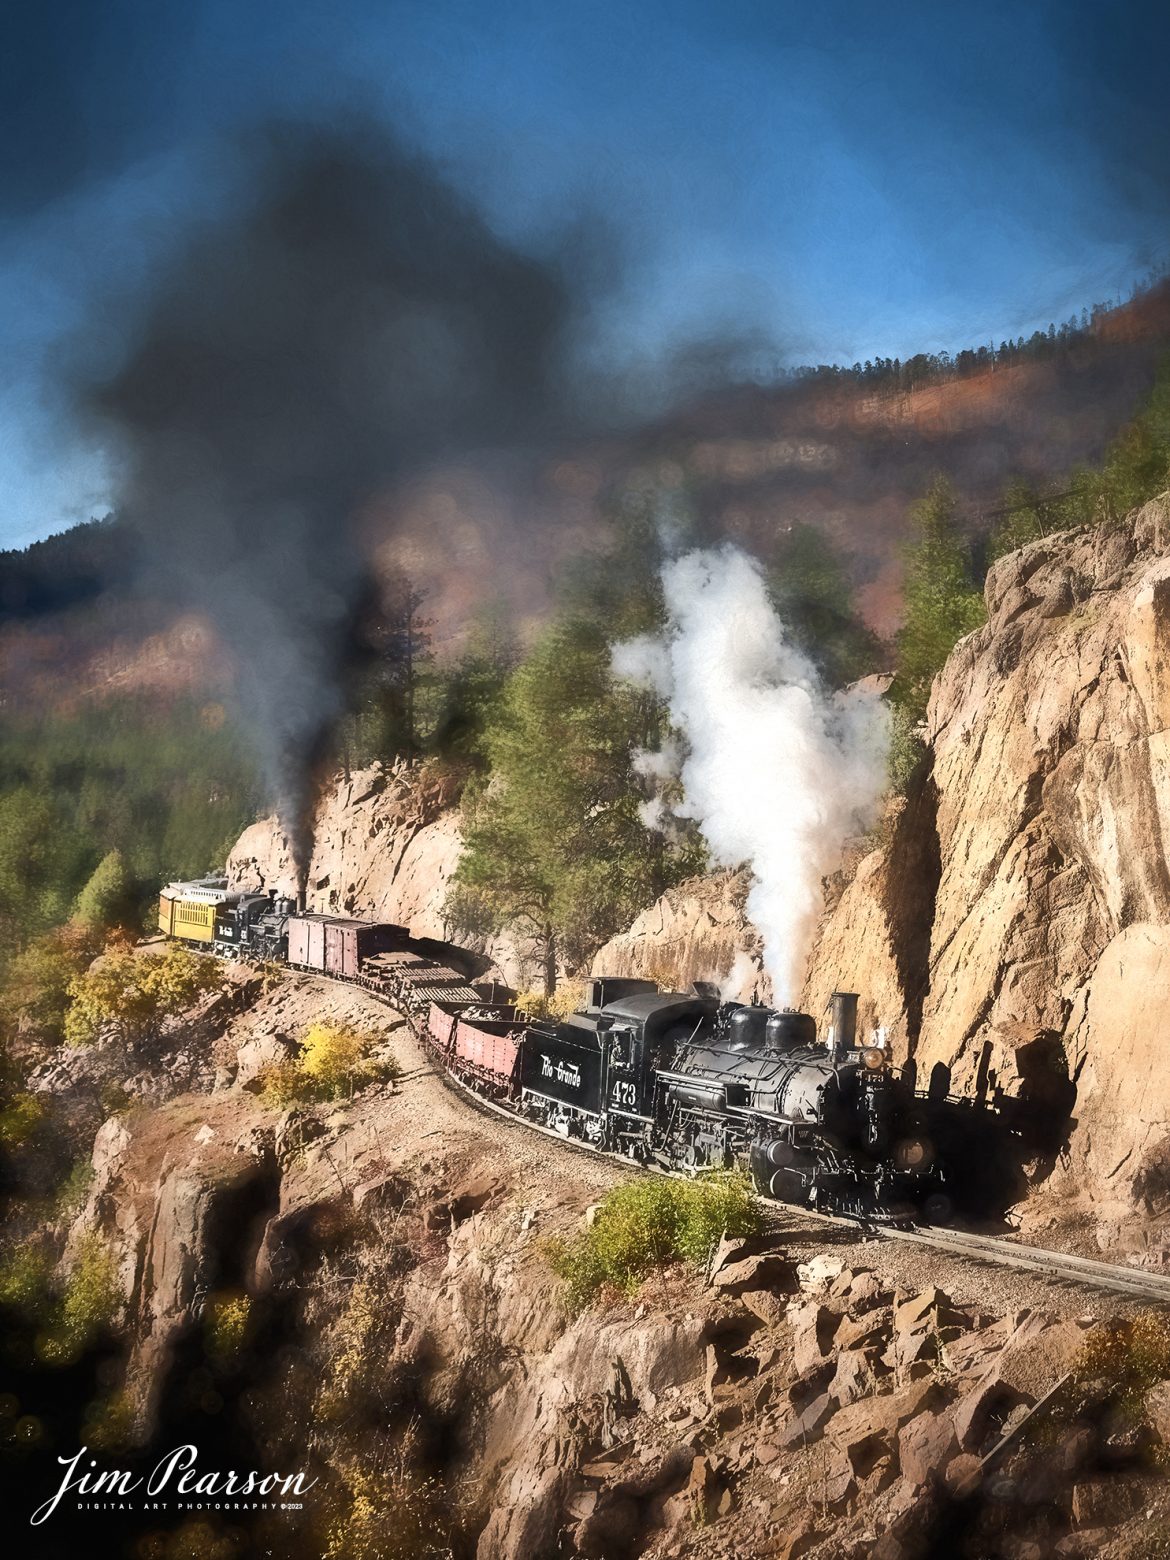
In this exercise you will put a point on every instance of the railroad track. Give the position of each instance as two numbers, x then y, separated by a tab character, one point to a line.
1003	1251
1059	1265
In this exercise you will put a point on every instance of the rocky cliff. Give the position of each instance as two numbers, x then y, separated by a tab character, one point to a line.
1016	923
1013	925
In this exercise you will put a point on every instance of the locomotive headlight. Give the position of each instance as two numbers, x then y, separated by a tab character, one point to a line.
873	1058
913	1153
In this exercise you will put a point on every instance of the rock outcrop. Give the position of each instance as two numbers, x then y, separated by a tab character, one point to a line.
697	931
385	844
1016	925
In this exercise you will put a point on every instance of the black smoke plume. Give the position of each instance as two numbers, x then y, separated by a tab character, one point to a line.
353	320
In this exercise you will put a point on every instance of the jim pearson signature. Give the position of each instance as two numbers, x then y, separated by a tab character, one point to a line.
178	1471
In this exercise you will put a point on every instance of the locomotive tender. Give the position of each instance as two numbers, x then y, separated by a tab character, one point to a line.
681	1080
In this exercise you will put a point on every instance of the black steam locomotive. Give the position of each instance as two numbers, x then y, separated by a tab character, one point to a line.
689	1082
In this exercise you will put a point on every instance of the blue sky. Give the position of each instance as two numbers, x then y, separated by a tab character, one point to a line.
854	179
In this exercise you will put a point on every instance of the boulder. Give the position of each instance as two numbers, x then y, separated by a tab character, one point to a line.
865	1291
1104	1502
819	1273
770	1308
963	1475
866	1429
813	1329
926	1444
259	1053
807	1424
856	1377
977	1410
696	931
767	1270
871	1330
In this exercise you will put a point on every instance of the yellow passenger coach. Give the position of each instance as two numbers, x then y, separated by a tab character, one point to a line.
187	910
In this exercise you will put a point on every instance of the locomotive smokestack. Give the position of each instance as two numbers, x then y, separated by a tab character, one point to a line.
842	1021
302	899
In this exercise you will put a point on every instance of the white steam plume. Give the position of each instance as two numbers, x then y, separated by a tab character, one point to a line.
777	771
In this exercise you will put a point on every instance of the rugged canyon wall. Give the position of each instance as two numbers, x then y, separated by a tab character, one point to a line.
697	931
1016	922
385	844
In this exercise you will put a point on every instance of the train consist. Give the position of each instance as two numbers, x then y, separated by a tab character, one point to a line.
681	1080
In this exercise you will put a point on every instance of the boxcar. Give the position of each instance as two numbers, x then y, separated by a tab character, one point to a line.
306	940
336	945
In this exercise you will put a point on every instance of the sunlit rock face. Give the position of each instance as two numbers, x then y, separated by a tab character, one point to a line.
1025	891
386	842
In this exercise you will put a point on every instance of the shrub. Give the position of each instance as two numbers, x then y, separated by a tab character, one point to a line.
92	1295
358	1343
108	1423
942	599
225	1326
566	999
69	1317
382	1505
36	987
645	1225
74	1189
1132	1355
334	1061
26	1277
134	994
20	1117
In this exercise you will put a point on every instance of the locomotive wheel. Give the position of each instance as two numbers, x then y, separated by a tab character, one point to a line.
938	1209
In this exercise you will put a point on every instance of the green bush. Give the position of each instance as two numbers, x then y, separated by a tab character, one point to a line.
26	1279
20	1117
943	601
92	1296
225	1326
645	1225
69	1317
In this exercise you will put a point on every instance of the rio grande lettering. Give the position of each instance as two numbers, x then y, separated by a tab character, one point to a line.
563	1072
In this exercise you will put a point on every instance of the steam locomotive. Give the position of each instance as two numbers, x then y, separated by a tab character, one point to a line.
681	1080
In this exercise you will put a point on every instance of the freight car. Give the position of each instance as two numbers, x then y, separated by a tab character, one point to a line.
680	1080
337	945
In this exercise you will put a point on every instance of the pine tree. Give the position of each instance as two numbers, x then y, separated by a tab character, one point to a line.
942	600
813	594
554	841
107	899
